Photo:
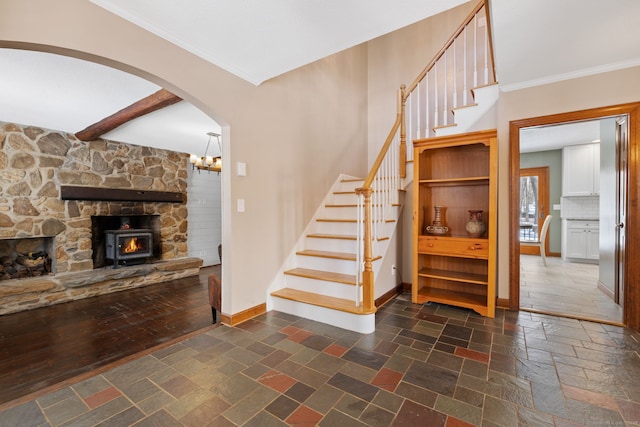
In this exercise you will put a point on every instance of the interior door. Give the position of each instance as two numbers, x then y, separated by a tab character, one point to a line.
534	206
622	143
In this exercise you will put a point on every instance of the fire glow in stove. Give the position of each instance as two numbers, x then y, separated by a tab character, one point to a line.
129	246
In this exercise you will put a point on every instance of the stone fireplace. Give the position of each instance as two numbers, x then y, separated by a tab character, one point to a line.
55	188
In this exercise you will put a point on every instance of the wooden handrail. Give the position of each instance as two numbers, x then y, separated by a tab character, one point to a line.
382	153
490	39
385	147
448	44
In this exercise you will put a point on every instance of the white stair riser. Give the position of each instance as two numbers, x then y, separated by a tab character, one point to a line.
450	130
363	324
326	264
324	227
486	94
323	287
340	212
350	185
344	199
333	245
484	97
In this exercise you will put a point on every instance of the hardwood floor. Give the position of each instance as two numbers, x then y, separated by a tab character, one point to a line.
42	347
565	289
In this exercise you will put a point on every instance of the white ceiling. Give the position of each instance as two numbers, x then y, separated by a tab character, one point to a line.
546	138
536	41
257	39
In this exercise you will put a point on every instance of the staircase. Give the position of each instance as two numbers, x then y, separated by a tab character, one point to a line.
338	266
472	116
322	282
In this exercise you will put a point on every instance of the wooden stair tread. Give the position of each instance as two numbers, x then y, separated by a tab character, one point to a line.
335	220
329	276
335	255
340	304
328	254
445	126
355	205
463	107
347	220
339	236
332	236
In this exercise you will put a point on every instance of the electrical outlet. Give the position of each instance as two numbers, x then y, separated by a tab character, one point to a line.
393	270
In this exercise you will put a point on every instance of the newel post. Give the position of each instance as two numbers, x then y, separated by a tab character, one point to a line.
403	132
368	300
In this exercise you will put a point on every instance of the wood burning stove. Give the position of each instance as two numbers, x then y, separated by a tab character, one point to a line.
128	246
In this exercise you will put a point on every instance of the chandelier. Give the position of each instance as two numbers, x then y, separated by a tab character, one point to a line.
208	163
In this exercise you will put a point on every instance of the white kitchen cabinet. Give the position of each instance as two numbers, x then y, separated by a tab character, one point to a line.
580	240
581	170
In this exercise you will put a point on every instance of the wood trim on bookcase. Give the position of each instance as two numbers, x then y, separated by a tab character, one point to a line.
631	316
243	316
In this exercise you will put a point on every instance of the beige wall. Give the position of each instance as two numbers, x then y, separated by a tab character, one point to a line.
296	132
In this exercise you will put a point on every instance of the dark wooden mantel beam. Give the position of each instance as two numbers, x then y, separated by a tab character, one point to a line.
156	101
72	192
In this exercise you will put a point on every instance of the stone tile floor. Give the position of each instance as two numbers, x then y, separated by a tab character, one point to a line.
570	288
430	365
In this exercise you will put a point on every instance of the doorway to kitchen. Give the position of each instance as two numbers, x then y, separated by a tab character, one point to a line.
562	268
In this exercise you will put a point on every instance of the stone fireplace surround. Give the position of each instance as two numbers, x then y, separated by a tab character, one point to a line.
35	163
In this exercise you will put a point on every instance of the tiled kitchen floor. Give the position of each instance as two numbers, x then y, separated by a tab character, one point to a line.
565	288
428	365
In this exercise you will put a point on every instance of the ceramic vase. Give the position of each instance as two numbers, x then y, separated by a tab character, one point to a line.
475	226
436	227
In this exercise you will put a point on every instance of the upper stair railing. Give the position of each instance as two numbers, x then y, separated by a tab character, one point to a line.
446	83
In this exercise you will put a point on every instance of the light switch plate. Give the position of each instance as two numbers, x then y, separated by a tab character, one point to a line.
241	169
240	205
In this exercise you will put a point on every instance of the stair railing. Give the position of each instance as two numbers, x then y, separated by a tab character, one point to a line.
377	196
446	83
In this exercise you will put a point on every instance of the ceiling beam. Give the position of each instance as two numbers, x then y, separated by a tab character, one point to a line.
156	101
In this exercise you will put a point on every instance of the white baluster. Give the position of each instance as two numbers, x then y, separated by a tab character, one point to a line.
417	96
445	92
465	89
427	124
455	75
486	52
359	247
435	89
475	51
